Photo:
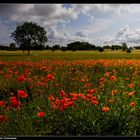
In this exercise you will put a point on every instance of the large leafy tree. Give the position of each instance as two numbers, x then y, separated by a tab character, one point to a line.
124	46
29	35
80	46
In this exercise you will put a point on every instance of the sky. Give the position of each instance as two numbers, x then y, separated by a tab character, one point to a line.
98	24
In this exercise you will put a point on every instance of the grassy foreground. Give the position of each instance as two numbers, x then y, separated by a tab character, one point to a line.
77	97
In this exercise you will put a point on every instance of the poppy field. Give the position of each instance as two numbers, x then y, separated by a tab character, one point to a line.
77	97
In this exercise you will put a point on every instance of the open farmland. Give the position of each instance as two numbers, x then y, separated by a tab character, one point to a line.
68	55
46	94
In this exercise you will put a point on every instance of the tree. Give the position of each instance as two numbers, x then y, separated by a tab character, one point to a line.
63	48
29	35
47	47
3	47
124	46
80	46
100	49
37	47
73	46
52	49
56	47
107	47
129	50
12	46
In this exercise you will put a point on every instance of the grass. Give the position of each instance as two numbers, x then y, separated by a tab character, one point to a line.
69	93
68	55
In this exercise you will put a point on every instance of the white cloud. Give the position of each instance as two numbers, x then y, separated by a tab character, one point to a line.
4	31
117	9
91	19
105	40
53	12
98	26
123	31
48	13
133	37
63	38
101	17
86	9
123	35
82	33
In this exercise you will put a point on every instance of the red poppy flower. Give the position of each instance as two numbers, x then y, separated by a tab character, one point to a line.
63	94
95	102
131	93
93	98
21	78
89	95
114	92
82	80
132	104
111	100
107	74
74	98
51	97
2	103
102	79
26	72
15	103
12	98
62	101
113	78
50	77
91	91
70	103
105	109
131	85
62	108
22	94
57	101
3	118
41	114
54	106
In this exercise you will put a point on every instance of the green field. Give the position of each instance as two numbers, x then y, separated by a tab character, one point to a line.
68	55
69	93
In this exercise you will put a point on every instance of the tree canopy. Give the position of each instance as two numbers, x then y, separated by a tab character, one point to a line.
80	46
29	35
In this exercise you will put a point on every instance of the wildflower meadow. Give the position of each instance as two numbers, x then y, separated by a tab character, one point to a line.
77	97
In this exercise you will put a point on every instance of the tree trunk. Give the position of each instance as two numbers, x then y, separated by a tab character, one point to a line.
29	46
28	52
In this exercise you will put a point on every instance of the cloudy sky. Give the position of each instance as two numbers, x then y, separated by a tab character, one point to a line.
99	24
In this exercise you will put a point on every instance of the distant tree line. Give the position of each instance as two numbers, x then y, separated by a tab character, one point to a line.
136	47
77	45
